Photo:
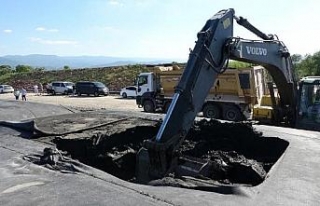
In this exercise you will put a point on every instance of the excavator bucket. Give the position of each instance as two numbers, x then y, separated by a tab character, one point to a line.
193	167
153	161
142	166
180	166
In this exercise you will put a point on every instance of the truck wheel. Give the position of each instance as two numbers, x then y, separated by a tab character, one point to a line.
148	106
232	113
79	94
53	92
96	94
124	95
211	111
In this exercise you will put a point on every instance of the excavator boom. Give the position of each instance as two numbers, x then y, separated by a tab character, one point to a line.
215	45
206	60
199	75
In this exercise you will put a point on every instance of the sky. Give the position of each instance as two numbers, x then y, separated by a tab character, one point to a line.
145	28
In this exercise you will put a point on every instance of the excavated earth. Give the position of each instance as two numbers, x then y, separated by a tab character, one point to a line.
240	154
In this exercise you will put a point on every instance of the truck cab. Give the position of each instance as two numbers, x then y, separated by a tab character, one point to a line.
145	83
146	86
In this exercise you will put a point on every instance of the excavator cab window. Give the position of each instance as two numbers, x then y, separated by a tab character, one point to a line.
317	96
310	102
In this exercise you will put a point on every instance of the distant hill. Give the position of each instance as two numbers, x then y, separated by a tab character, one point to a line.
58	62
7	61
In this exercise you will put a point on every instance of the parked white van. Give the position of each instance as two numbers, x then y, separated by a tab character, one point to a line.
60	87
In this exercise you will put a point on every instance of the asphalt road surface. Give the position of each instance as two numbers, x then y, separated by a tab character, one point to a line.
293	180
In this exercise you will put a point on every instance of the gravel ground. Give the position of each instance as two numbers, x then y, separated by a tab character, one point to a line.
102	102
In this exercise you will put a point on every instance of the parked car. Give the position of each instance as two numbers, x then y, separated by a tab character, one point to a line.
94	88
6	89
130	91
60	87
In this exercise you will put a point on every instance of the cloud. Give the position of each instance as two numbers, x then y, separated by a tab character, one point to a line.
45	29
40	29
53	42
115	3
7	31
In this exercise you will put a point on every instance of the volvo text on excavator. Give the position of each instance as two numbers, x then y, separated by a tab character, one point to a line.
214	47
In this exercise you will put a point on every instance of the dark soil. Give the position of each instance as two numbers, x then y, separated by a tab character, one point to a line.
238	153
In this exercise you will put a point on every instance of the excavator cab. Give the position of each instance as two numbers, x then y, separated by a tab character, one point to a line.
309	103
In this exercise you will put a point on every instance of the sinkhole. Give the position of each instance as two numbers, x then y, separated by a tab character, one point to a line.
241	154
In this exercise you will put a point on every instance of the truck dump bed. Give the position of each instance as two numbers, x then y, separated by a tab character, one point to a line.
246	85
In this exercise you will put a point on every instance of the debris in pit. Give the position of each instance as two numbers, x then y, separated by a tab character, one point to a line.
114	153
239	154
54	159
50	156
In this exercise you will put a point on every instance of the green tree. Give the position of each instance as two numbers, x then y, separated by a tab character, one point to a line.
5	69
316	64
296	60
238	64
309	65
66	67
23	68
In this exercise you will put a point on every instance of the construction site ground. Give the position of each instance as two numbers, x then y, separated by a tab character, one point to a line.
83	102
83	125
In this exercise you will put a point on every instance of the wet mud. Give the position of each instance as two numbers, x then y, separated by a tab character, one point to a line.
239	154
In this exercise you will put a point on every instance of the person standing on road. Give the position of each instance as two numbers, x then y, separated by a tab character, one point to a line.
24	94
16	94
35	88
41	88
73	89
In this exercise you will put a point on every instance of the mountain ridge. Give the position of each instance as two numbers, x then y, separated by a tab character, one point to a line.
51	62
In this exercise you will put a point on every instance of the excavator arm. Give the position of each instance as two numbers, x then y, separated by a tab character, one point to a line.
215	45
206	61
274	57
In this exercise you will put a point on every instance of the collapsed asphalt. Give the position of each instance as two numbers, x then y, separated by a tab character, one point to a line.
238	153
